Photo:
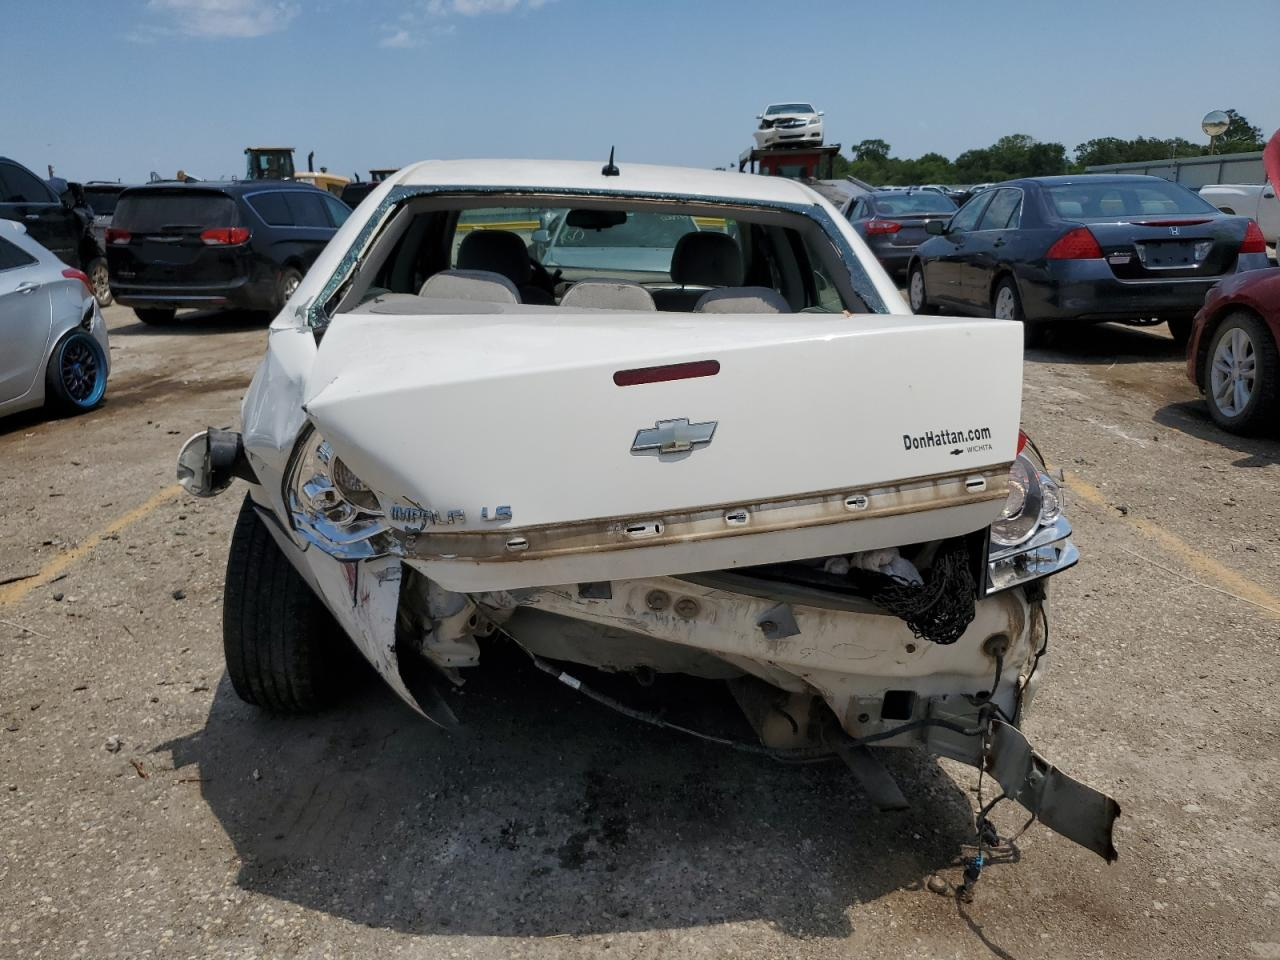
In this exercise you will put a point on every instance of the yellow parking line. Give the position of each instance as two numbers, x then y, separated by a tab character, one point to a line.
13	592
1228	580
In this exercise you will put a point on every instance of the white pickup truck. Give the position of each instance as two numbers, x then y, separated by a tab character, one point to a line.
1249	200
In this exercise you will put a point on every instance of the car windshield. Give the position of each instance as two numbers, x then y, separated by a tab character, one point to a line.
173	212
102	201
789	108
1103	199
926	201
651	230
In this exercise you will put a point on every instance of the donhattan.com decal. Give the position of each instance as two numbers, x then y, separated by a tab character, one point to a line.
965	440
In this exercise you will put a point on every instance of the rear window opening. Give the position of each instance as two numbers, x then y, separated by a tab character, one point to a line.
159	212
754	260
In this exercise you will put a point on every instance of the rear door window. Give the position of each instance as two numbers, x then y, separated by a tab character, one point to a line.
307	209
174	212
272	208
12	256
1001	210
20	186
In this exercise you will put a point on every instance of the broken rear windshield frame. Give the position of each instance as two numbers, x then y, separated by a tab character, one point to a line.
317	311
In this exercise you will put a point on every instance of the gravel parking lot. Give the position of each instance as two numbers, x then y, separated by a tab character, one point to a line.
146	812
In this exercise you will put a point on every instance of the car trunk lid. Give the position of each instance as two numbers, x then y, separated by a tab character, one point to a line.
584	432
1169	247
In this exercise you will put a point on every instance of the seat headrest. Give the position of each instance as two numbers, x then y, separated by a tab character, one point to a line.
603	294
482	285
500	251
742	300
707	259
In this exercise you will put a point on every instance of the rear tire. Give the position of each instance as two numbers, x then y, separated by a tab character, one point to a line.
1242	343
100	278
156	317
1006	304
1180	329
288	282
917	295
284	651
76	377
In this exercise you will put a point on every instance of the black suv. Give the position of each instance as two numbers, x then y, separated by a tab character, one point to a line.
51	220
242	245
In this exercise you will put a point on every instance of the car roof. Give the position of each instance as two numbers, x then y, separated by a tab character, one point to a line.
229	187
1072	178
716	186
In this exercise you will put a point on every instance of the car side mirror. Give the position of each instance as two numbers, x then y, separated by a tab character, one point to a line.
759	116
68	200
822	113
935	228
541	236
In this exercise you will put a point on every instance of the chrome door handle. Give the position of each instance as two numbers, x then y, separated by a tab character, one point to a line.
26	286
32	216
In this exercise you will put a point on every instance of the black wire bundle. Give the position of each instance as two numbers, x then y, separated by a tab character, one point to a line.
940	609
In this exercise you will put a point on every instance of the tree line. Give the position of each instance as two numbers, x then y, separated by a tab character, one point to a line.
1019	155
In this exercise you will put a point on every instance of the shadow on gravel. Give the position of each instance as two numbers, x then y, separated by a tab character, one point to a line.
547	814
201	322
1095	343
1192	418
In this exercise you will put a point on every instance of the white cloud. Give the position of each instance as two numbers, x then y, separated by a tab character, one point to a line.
400	40
221	19
473	8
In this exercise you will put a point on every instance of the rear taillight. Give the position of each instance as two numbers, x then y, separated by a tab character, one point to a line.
1077	244
1022	441
882	226
1254	241
73	274
116	235
224	236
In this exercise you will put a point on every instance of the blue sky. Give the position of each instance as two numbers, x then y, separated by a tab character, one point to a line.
106	89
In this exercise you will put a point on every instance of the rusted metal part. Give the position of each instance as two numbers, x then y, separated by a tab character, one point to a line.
910	496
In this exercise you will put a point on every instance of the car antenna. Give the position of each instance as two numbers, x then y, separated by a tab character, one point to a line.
610	169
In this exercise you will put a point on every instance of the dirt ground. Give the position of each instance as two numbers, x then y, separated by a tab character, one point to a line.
550	827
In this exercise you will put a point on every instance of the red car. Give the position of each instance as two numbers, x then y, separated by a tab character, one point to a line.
1233	357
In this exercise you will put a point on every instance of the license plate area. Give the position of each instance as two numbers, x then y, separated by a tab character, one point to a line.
1173	254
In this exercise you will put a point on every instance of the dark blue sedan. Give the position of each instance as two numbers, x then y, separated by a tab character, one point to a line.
1082	248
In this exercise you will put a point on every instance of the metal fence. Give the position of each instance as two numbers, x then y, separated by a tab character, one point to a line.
1196	172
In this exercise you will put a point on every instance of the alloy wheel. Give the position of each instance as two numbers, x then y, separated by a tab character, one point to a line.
101	280
1233	375
79	371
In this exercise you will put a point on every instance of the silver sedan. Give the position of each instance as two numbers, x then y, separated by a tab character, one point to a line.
53	339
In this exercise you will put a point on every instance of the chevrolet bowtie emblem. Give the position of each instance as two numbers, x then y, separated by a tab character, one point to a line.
673	436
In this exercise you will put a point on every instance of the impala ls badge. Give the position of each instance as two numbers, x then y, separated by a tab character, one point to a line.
673	436
1173	231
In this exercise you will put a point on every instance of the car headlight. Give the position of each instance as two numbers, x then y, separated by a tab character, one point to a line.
330	506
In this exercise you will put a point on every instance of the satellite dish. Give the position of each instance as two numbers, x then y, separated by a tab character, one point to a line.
1215	123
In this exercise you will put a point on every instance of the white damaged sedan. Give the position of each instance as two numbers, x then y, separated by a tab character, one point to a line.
726	449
